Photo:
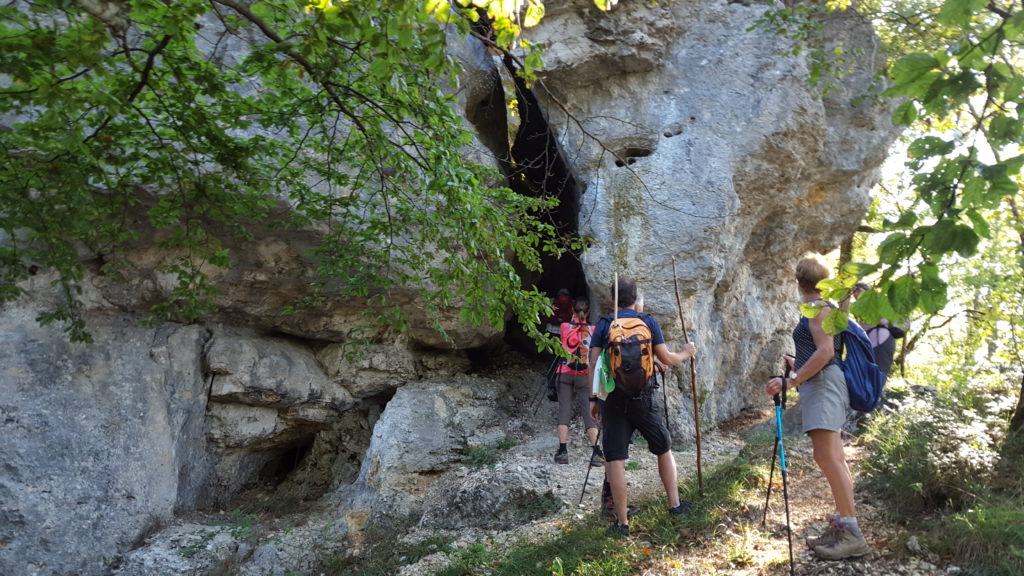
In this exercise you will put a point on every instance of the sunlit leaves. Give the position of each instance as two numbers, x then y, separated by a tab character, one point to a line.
811	309
835	322
913	74
929	146
905	114
871	306
959	12
933	289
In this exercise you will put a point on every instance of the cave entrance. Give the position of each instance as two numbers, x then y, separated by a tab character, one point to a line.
536	167
511	122
285	461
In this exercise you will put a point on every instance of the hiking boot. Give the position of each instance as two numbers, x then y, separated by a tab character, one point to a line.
597	458
621	530
609	511
846	545
562	456
826	538
681	508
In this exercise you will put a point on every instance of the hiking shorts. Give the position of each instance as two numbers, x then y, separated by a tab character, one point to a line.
620	417
824	400
580	384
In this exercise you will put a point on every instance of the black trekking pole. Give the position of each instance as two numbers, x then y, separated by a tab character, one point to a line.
547	376
589	467
664	398
779	407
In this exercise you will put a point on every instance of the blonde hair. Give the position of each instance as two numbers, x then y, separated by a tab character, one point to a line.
810	270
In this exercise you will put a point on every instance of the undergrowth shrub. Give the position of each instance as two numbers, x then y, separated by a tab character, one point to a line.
931	453
987	540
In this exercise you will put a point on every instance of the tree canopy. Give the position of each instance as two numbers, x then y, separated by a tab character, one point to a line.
205	115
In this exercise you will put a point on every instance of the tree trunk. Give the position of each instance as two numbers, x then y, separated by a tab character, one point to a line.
1017	422
845	257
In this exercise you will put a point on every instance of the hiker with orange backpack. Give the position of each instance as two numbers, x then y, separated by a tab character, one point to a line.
574	378
633	340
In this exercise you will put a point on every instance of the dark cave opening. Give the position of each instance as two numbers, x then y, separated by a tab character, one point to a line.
288	459
536	167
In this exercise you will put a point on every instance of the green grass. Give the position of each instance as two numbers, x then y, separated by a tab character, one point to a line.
587	548
385	556
987	540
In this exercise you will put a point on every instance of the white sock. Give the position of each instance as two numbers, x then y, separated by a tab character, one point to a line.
850	522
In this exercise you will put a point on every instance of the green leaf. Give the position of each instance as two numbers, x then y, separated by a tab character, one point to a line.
905	114
965	240
974	192
1014	89
872	306
1003	129
906	221
958	13
937	239
917	88
933	289
811	309
912	67
835	322
999	182
929	146
895	248
981	227
534	12
904	293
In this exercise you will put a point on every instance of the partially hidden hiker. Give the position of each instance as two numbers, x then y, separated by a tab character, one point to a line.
561	311
574	379
824	401
624	412
882	335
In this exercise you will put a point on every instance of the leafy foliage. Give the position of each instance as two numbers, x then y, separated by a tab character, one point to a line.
186	120
932	452
961	88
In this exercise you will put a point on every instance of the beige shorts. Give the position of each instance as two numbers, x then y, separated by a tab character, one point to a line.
824	400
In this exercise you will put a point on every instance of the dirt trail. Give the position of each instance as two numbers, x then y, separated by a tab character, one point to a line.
740	545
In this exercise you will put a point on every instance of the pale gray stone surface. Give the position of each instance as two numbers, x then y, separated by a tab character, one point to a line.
100	442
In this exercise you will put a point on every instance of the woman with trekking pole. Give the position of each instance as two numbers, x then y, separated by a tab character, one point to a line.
574	380
824	402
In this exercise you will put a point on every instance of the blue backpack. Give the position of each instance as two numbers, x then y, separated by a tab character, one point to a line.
864	379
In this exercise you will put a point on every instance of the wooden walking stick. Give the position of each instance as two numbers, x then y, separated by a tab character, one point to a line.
693	380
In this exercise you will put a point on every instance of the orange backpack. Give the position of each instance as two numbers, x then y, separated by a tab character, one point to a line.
631	354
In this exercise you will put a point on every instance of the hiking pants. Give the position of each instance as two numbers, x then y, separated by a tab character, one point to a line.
621	416
580	384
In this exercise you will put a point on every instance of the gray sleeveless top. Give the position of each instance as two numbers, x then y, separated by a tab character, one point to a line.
803	342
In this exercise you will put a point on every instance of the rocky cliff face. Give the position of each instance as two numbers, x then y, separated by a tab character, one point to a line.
685	135
696	139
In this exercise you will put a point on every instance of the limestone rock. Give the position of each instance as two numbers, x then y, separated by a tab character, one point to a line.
269	372
378	368
422	432
101	441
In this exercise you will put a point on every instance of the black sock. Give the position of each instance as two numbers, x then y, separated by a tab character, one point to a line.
562	448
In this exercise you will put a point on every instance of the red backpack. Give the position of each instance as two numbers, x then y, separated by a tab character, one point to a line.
576	341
